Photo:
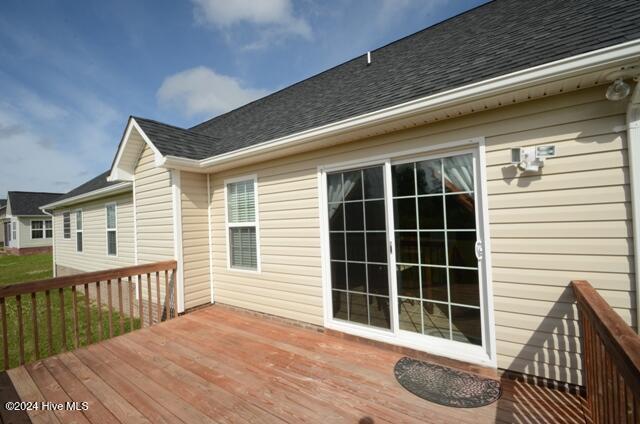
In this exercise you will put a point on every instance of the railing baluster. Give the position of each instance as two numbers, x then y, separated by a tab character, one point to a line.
175	293
109	304
34	318
76	324
20	329
121	312
63	324
47	297
159	305
140	311
5	337
99	300
87	310
150	299
167	304
131	294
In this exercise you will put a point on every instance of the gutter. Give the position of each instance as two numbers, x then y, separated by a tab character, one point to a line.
633	146
96	194
560	69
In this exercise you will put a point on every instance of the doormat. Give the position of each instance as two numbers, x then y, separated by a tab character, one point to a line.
446	386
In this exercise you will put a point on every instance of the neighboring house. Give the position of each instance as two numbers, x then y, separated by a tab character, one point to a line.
27	228
379	197
3	212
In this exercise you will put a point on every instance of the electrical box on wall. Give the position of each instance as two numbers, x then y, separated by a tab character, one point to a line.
531	158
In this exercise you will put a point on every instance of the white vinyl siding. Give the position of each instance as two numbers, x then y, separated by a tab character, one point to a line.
94	257
569	221
195	239
154	210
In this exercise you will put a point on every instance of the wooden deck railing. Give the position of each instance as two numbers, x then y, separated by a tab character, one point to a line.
611	359
55	303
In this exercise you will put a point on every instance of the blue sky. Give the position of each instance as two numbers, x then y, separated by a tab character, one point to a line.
72	72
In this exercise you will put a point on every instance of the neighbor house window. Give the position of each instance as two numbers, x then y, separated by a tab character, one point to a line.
14	230
79	245
41	229
37	229
112	238
66	225
241	224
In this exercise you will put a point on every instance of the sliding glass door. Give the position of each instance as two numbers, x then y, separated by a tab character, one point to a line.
435	238
404	248
358	246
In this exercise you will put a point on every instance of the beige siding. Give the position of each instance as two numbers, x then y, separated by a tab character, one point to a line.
24	233
94	256
195	239
154	210
572	220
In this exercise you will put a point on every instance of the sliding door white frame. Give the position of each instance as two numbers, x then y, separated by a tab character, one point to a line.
485	354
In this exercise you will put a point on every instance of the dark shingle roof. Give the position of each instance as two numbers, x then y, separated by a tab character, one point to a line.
171	140
3	203
93	184
494	39
28	203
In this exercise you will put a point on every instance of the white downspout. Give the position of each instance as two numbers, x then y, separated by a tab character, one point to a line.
633	146
53	239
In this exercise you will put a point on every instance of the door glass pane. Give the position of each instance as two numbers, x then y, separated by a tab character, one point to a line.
358	246
437	268
429	176
465	325
436	319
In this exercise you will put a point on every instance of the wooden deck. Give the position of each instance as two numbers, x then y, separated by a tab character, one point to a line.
221	365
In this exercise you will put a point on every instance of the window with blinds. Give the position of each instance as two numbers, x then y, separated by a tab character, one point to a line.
241	224
79	239
66	225
112	237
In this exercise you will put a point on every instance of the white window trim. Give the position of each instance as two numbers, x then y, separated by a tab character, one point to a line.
63	236
31	229
75	213
255	224
107	229
483	355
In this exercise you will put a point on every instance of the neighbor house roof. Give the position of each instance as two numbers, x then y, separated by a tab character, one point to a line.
29	202
3	203
92	188
495	39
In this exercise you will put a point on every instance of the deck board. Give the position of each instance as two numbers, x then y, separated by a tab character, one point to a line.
223	365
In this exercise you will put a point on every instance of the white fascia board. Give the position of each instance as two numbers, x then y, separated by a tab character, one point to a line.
92	195
117	173
552	71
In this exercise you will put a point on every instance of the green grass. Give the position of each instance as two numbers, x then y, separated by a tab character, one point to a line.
16	269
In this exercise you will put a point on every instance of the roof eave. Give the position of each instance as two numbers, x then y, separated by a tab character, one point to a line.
91	195
553	71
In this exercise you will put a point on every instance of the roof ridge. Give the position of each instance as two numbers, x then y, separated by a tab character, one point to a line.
343	63
34	192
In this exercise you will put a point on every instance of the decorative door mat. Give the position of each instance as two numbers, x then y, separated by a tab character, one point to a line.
446	386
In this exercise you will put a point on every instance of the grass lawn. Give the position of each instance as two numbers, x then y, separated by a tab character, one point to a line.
17	269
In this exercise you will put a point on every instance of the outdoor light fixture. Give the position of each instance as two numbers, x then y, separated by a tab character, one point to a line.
531	159
618	90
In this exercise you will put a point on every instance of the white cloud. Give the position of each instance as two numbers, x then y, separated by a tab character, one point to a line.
270	16
202	91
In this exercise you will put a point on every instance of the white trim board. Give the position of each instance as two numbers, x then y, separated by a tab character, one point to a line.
177	234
